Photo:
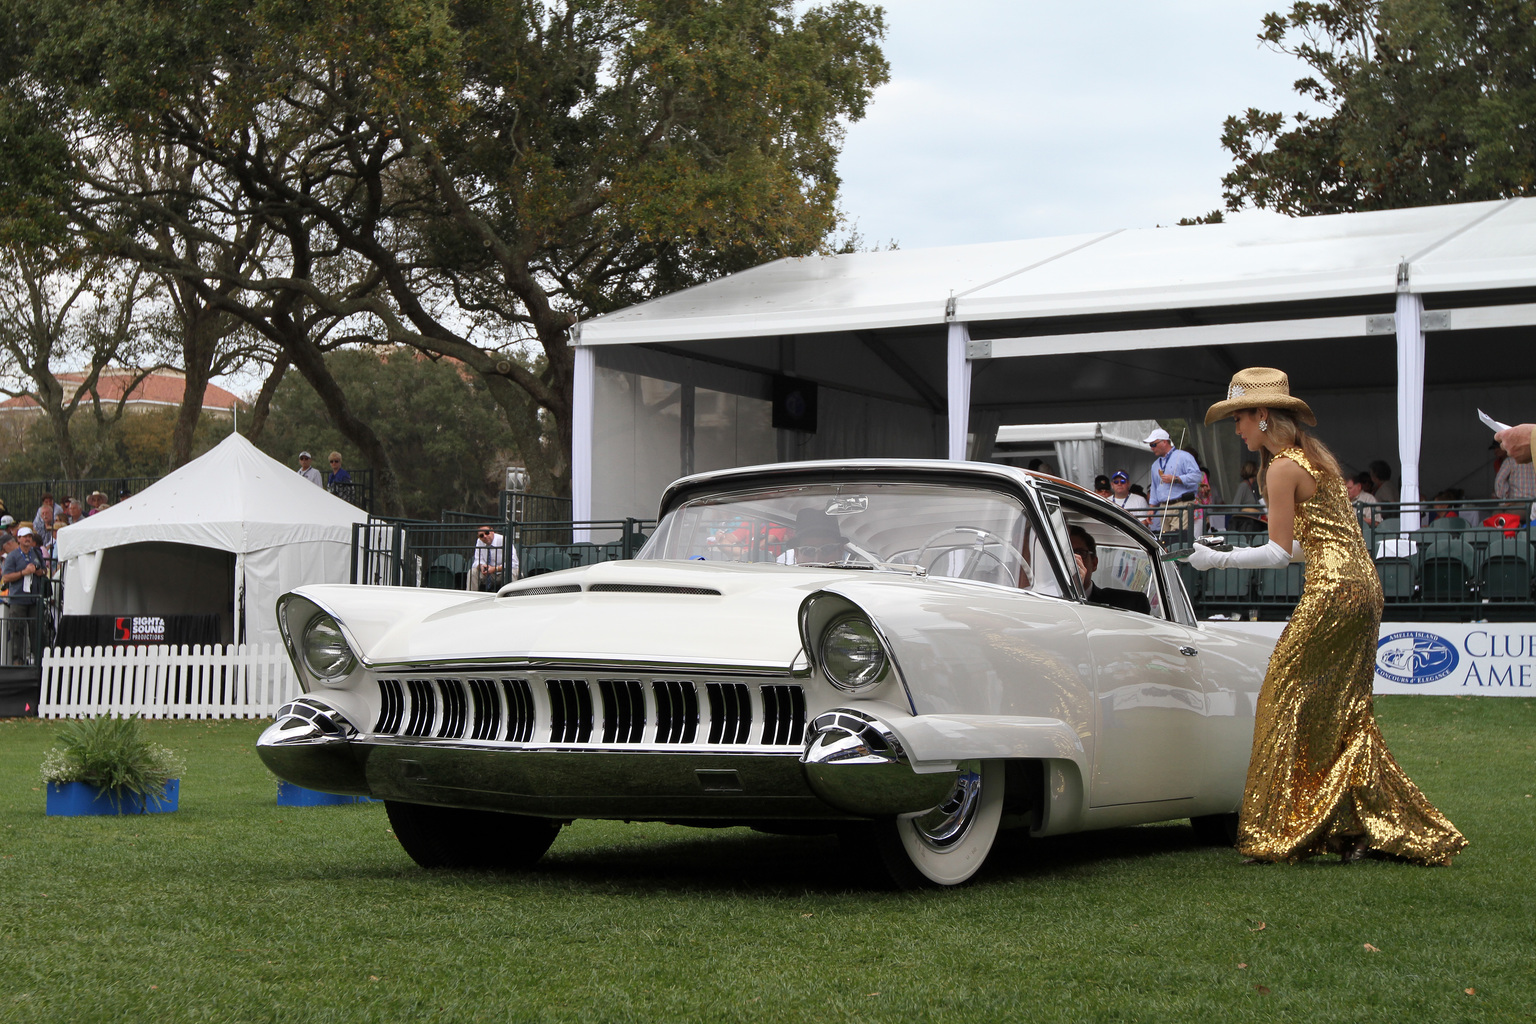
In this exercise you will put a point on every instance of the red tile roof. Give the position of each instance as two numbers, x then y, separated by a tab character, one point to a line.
158	389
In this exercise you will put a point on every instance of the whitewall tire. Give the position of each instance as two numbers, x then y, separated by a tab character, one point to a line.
947	845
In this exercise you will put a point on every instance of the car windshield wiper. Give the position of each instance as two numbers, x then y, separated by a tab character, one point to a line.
902	567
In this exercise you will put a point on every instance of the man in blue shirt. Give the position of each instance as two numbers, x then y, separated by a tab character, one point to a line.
1174	484
22	572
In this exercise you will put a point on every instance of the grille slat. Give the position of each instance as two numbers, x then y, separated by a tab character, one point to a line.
519	709
391	706
570	706
485	700
423	707
454	701
677	710
623	710
783	714
730	712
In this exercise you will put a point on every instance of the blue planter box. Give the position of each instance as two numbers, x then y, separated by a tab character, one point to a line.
73	799
289	795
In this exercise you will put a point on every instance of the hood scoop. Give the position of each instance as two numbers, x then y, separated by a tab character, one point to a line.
567	588
650	588
612	588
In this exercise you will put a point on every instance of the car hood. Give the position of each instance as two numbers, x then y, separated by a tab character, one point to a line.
727	614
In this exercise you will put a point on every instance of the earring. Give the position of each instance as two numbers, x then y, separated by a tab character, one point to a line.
1264	426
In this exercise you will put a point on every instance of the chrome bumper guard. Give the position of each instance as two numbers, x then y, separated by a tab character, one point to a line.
852	766
856	763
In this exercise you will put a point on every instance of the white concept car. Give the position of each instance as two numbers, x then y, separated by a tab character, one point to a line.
904	652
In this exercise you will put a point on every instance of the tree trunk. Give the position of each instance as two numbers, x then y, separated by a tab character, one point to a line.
310	361
264	398
199	343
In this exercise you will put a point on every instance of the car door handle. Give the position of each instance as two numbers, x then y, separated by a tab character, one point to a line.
1188	652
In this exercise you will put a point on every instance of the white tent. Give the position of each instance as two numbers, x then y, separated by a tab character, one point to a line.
1080	451
227	533
1396	325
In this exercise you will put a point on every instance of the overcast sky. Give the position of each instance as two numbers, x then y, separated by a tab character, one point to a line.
1012	119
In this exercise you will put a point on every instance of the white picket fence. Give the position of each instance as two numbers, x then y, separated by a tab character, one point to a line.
214	681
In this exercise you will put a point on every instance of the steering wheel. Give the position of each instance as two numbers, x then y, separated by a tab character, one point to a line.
978	547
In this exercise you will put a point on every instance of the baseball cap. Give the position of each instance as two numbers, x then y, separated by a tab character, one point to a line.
305	455
24	531
7	521
1119	477
1157	435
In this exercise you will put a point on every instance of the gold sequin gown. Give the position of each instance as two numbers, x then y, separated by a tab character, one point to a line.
1321	777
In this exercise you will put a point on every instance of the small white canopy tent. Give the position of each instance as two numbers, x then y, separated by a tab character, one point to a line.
227	533
1080	451
1395	325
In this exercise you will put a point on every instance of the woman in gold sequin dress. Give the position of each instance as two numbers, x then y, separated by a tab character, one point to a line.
1320	779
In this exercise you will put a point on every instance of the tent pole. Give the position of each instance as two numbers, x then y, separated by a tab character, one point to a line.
582	406
1410	386
959	390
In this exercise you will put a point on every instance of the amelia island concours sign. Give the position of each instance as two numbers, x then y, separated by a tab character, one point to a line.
1490	659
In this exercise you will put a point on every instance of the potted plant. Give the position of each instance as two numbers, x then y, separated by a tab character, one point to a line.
107	766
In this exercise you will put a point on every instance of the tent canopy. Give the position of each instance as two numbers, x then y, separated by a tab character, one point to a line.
281	530
1394	325
1471	246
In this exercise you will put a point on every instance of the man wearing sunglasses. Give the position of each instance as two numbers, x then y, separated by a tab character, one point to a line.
817	540
495	561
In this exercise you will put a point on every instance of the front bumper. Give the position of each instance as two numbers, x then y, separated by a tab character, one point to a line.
850	766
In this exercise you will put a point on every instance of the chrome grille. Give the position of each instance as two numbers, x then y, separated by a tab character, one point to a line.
595	710
570	710
730	712
677	710
623	710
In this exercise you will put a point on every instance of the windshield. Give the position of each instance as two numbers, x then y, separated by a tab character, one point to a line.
959	532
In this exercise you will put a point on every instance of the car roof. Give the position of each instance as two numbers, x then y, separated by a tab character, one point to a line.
988	474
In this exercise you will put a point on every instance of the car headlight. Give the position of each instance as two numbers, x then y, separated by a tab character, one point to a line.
325	650
852	654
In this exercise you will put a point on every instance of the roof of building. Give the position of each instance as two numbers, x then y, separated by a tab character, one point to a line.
162	388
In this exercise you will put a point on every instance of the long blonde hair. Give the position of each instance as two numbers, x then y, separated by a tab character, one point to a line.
1284	428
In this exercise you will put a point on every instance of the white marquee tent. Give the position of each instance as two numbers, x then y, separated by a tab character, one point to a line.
227	533
1395	325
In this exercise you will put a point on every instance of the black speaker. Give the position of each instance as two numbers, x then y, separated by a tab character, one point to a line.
794	404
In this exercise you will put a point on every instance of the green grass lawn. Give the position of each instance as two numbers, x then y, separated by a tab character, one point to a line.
233	909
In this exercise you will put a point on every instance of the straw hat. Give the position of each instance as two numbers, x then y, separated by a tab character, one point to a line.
1260	386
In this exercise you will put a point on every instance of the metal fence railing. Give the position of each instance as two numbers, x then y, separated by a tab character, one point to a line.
416	553
1436	562
522	507
27	627
22	497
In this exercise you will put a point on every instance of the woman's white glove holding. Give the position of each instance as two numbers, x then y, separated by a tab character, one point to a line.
1270	556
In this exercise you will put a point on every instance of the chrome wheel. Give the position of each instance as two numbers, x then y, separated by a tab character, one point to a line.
949	823
948	844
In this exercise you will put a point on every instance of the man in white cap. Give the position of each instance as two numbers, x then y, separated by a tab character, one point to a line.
22	574
1174	484
309	472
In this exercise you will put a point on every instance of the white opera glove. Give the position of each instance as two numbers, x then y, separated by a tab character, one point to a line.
1270	556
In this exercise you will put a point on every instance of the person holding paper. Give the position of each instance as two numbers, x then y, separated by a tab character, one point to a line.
1516	441
1320	779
